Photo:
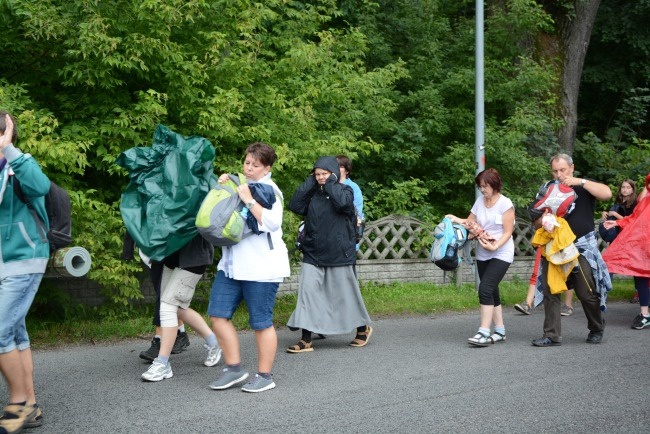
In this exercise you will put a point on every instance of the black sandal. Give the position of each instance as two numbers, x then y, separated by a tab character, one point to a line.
300	347
361	339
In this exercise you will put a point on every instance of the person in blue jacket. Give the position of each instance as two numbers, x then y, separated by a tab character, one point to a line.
24	253
345	166
329	298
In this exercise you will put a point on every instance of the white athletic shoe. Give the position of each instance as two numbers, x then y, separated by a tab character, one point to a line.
158	371
214	355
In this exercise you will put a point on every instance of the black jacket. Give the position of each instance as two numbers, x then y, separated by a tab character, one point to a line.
330	218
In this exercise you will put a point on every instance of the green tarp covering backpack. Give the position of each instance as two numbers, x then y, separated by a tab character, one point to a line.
167	183
221	220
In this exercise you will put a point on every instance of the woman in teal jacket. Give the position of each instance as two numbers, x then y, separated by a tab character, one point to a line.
24	252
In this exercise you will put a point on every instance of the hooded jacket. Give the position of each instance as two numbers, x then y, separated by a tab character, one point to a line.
330	218
24	248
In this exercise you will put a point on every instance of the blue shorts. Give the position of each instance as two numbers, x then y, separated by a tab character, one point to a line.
227	293
16	297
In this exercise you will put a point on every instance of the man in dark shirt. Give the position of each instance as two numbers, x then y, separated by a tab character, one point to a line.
588	286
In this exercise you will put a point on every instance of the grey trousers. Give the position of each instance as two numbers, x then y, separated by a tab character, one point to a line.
585	289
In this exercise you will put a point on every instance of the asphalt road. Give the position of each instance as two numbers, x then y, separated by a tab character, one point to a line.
417	375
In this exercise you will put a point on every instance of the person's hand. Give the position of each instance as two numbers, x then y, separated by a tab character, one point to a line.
604	215
224	178
5	139
452	217
487	244
609	224
571	181
244	193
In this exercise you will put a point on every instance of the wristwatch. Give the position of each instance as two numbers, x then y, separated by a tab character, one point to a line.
251	204
583	182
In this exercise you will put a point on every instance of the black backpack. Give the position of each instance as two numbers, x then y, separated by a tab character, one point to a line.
59	213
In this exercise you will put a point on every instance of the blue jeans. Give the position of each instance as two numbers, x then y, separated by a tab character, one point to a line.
16	297
227	293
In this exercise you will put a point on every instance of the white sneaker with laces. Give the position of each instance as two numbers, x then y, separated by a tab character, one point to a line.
214	355
158	371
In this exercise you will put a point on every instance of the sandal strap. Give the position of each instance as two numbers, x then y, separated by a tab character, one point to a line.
301	345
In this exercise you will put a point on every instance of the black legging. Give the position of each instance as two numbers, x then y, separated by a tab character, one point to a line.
491	273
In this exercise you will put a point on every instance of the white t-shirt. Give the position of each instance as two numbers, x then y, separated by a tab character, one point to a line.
491	220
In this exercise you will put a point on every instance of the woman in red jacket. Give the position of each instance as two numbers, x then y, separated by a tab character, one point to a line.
630	252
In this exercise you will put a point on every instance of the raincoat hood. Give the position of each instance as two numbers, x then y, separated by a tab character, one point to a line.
330	164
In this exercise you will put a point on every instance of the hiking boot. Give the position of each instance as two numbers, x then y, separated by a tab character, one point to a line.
214	355
595	337
228	378
158	371
15	417
641	322
152	352
524	308
258	384
37	419
566	310
181	343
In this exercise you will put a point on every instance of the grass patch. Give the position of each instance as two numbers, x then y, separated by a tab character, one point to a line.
85	325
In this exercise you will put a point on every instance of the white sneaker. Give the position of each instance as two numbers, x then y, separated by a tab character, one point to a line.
214	355
158	371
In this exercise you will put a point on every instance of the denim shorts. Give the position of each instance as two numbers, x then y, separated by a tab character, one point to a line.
16	297
227	293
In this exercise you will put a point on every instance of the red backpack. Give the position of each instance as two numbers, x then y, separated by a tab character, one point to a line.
554	197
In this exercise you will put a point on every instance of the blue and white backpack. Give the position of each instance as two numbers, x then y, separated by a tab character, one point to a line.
449	239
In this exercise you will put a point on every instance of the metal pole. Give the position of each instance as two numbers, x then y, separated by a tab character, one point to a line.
479	105
480	90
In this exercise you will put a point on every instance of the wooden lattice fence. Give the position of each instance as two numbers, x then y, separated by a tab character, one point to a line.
402	237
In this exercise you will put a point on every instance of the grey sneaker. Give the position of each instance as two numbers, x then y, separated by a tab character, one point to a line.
158	371
214	355
181	343
258	384
228	378
524	308
152	352
566	310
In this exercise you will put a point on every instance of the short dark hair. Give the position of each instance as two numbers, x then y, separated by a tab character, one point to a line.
491	177
3	126
263	152
345	162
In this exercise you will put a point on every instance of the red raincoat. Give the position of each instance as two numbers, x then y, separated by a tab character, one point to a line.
629	254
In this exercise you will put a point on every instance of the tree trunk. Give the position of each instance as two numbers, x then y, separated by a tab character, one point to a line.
573	26
575	33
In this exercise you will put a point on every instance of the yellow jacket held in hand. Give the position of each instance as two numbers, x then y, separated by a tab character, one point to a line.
560	252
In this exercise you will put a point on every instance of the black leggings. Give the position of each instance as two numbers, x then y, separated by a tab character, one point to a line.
491	273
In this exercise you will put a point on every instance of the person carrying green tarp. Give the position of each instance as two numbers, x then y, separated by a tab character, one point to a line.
168	182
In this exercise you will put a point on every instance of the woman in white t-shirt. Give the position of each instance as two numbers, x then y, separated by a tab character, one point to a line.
491	221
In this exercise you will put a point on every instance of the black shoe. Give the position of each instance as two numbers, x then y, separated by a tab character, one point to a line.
181	343
595	337
152	352
545	342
